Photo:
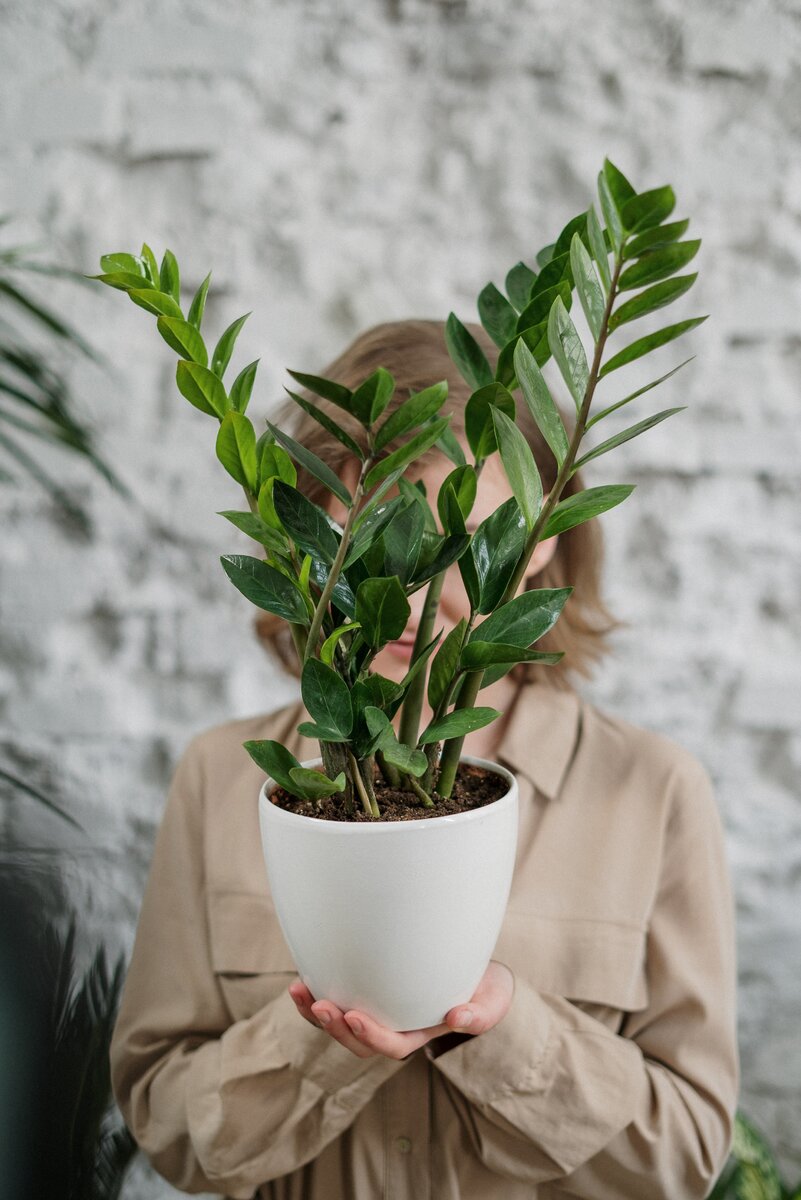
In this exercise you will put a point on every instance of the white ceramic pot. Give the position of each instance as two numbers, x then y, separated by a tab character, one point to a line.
397	918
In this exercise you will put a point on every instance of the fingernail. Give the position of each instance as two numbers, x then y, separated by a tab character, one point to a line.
464	1018
355	1025
324	1018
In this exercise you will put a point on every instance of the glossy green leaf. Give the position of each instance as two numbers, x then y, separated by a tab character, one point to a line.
382	610
236	449
372	396
650	342
540	403
458	723
437	554
587	286
155	302
252	524
575	510
449	445
461	485
328	424
536	338
620	189
524	619
405	758
399	459
614	226
243	386
416	492
337	393
539	306
275	760
576	226
201	387
170	276
419	661
266	587
198	305
518	283
183	338
445	665
598	247
466	353
626	435
342	596
497	315
305	523
568	351
314	465
658	264
123	280
519	465
128	263
225	346
479	427
633	396
326	697
314	785
661	235
651	299
496	548
402	541
419	407
151	266
274	462
647	209
490	654
330	644
367	531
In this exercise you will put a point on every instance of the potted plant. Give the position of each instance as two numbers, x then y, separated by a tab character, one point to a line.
390	856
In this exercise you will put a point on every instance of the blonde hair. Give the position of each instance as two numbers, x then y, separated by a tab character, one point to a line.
415	353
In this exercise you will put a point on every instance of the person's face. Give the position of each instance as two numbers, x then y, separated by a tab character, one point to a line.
493	488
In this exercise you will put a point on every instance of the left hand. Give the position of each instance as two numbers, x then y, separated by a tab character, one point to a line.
489	1004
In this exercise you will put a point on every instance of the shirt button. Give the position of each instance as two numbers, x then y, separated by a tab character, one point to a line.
404	1145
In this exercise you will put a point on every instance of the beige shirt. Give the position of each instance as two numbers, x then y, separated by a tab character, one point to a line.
613	1075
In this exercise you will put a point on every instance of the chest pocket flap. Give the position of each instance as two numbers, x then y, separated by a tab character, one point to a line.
246	936
579	958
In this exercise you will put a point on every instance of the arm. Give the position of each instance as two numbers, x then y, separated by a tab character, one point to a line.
555	1095
217	1106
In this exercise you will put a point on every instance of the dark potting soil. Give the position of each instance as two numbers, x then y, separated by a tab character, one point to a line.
474	787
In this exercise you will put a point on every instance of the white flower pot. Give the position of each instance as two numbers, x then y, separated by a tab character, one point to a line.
397	918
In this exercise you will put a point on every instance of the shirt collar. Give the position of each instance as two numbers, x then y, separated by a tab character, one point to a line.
542	735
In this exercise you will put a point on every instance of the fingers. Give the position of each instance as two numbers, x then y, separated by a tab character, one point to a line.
303	1001
333	1022
388	1042
489	1004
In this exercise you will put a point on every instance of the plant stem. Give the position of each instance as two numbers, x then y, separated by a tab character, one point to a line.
412	706
418	790
361	789
391	774
452	750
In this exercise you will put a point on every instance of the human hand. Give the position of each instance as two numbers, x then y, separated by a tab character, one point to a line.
364	1037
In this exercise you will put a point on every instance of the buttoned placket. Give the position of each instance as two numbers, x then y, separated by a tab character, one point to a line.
406	1109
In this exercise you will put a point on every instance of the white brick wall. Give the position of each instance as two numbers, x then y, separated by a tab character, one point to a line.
337	164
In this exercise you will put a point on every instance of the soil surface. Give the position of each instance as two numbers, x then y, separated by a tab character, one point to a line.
474	787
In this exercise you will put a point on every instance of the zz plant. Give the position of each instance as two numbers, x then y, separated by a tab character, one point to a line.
344	589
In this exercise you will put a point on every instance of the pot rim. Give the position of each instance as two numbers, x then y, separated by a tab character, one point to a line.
374	827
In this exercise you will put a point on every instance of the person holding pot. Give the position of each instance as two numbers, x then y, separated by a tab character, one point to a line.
598	1057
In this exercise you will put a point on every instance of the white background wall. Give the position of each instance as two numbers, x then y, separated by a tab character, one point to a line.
339	164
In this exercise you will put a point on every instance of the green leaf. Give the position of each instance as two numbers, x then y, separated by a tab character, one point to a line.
201	387
496	548
243	386
451	447
274	462
519	465
466	353
523	619
478	423
540	402
545	255
537	310
128	263
170	276
658	264
568	351
330	644
419	407
497	315
337	393
254	527
124	280
236	449
490	654
445	664
266	587
405	758
647	209
536	338
518	283
151	266
652	298
382	610
326	697
155	302
626	435
437	555
304	522
225	346
183	338
611	215
418	662
313	465
633	396
198	305
662	235
368	530
416	492
598	247
342	597
328	424
276	761
402	540
576	226
399	459
372	396
650	342
457	724
310	730
313	785
619	187
587	286
460	488
575	510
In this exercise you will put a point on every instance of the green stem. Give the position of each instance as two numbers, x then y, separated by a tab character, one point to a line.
419	791
360	788
412	707
391	774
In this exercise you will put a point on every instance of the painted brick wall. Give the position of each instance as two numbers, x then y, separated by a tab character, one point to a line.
338	164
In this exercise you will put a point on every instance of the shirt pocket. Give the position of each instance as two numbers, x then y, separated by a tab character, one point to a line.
598	964
249	956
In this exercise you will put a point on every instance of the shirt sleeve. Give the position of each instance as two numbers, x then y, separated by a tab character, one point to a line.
218	1106
647	1113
